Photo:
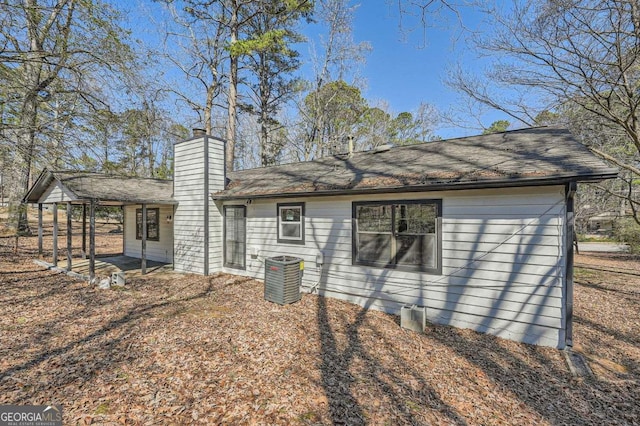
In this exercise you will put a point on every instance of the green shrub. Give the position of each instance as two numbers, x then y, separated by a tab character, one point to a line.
628	231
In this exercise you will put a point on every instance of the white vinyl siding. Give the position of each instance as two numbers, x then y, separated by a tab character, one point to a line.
190	171
216	183
502	260
161	250
188	191
56	193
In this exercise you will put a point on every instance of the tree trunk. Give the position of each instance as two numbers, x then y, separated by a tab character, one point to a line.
233	88
36	80
26	140
208	125
265	151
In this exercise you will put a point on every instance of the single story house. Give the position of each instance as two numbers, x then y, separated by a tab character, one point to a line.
478	230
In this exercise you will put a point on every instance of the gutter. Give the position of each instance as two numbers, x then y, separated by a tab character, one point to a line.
116	203
485	184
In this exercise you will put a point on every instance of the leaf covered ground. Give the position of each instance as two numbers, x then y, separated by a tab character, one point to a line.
209	350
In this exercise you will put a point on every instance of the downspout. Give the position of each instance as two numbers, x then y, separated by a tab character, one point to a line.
570	191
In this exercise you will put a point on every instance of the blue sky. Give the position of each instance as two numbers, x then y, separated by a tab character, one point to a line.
402	69
408	66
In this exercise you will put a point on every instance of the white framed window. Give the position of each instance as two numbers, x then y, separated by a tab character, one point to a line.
403	235
291	223
153	224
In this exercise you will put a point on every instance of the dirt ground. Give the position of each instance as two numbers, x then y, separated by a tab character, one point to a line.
211	350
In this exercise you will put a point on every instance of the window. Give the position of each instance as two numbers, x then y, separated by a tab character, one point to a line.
398	234
153	224
235	236
291	223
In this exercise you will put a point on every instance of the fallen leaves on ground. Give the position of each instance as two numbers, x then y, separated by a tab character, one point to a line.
211	350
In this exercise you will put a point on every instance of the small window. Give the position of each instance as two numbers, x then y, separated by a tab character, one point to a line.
153	224
398	234
291	223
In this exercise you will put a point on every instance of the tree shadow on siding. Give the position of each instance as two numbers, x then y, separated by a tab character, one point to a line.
336	364
504	316
549	279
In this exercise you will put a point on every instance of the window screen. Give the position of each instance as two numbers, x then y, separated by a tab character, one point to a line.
394	234
291	223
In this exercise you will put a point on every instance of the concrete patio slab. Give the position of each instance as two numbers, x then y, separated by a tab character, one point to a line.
105	266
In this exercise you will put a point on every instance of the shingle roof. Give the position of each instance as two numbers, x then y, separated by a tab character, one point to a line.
105	188
534	156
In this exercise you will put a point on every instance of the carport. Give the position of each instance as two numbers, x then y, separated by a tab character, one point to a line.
69	188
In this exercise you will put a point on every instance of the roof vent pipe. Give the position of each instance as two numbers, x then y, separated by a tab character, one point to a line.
199	132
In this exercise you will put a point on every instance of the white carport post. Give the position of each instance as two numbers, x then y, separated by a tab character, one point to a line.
84	230
143	261
92	241
40	232
55	234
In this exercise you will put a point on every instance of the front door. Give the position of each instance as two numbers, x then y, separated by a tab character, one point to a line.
235	244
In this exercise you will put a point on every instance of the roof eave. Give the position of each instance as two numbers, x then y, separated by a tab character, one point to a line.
42	183
47	177
129	202
444	186
114	202
44	175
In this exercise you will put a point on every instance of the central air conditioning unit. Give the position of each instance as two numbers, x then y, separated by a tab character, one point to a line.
413	318
282	279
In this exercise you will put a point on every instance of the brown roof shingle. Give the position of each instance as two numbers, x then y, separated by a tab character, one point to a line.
105	188
534	156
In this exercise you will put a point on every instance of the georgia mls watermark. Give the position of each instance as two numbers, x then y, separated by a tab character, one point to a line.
30	415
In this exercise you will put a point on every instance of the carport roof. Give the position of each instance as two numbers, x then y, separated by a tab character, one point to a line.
104	188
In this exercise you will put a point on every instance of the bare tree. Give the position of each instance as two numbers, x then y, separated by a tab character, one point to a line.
424	14
427	117
201	57
578	58
218	35
334	60
271	62
54	56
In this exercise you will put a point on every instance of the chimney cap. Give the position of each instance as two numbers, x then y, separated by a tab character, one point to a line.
199	132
